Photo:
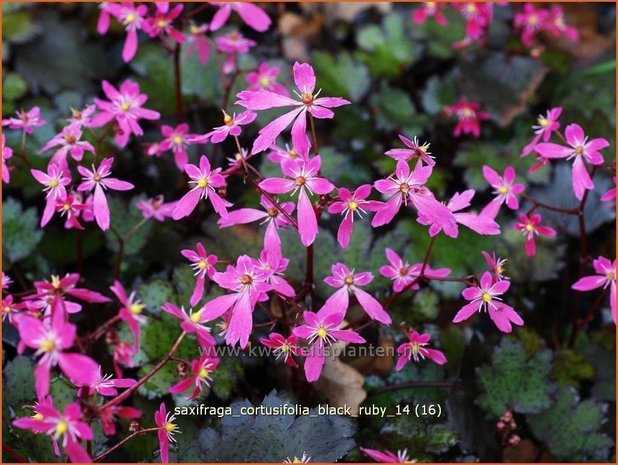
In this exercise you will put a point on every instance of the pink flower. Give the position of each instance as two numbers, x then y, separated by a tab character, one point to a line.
198	42
167	429
106	9
203	183
304	77
531	21
606	276
232	44
72	207
54	182
469	115
82	118
505	190
203	265
496	265
191	324
546	125
478	16
580	149
270	215
97	180
201	371
109	414
252	15
177	140
69	142
531	226
133	18
265	77
161	24
7	152
10	308
610	194
321	330
420	15
304	178
485	298
106	385
26	120
249	284
6	280
231	126
414	150
131	311
402	187
283	347
51	338
65	428
387	456
348	282
348	204
123	354
156	208
271	261
556	25
125	106
480	224
415	349
277	154
403	274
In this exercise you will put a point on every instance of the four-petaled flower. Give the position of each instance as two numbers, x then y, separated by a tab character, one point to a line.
531	226
415	350
606	276
203	265
484	297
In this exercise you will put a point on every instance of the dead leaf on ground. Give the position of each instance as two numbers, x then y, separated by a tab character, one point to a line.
381	365
524	451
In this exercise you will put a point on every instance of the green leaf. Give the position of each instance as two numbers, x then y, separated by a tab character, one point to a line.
155	293
440	39
394	110
125	218
438	93
273	438
18	382
570	428
341	75
20	230
514	382
18	27
13	87
156	77
226	377
571	368
419	436
184	282
199	80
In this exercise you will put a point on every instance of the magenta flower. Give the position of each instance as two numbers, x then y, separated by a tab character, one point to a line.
496	265
232	44
505	190
531	21
133	18
167	428
348	204
401	187
265	77
546	125
71	207
231	126
69	143
191	324
26	120
304	77
7	152
606	276
469	115
10	308
478	16
82	118
155	208
201	371
106	385
414	150
249	284
161	24
271	260
107	9
124	106
270	215
203	183
403	274
130	312
481	224
321	330
610	194
252	15
283	347
123	355
97	180
428	9
416	350
485	298
65	428
277	154
348	282
580	149
54	182
198	42
556	25
304	178
177	140
6	281
531	226
203	265
109	414
388	457
51	338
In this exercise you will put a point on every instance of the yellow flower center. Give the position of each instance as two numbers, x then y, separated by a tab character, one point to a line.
48	345
300	181
467	113
543	122
529	228
125	106
161	23
264	82
170	427
499	269
37	416
533	20
177	140
471	8
227	119
322	332
297	460
503	190
611	276
349	280
136	308
194	29
285	347
130	18
97	177
202	183
6	309
53	183
486	297
579	150
246	279
404	187
202	264
293	153
415	347
55	281
353	205
307	98
66	207
204	373
196	317
61	427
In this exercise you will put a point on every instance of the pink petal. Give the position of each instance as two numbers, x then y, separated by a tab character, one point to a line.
304	77
186	204
307	222
100	208
549	150
345	231
587	283
373	308
130	45
269	133
277	185
466	312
